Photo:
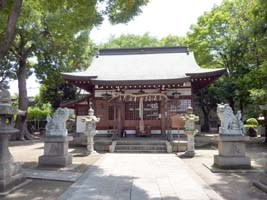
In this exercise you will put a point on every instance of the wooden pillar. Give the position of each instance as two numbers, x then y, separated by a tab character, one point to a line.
118	114
163	116
119	122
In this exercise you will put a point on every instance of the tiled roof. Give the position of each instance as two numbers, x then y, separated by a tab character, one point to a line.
139	64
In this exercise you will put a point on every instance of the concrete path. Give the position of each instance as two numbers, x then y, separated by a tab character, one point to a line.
139	177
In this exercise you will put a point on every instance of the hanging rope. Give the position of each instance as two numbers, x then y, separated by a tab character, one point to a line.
147	96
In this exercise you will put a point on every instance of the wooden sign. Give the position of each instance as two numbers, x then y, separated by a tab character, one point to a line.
177	121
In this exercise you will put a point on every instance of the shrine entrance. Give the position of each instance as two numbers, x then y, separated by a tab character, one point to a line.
143	114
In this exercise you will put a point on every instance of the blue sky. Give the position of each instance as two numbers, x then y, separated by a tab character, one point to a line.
159	18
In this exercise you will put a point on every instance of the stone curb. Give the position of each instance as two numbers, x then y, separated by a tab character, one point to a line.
217	170
51	175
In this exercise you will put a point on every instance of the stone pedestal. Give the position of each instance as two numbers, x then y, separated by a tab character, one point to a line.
10	171
232	152
190	152
56	151
90	143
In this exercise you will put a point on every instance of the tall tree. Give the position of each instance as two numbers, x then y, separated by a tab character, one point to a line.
45	25
9	12
222	38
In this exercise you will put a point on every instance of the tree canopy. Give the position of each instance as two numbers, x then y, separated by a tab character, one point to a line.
55	33
233	36
145	40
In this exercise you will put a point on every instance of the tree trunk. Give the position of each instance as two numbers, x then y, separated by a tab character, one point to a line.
8	38
21	122
206	126
232	103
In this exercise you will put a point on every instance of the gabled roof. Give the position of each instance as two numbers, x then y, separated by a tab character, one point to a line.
143	64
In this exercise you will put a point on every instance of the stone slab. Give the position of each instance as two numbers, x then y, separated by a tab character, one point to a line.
232	138
232	162
15	188
138	177
218	170
62	161
9	182
51	175
260	185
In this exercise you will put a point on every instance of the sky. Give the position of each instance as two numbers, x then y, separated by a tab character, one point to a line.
159	18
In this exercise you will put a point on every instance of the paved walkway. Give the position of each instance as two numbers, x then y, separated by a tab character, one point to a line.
139	177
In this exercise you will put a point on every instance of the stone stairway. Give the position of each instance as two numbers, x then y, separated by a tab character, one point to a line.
146	146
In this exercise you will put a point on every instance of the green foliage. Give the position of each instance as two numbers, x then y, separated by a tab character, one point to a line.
172	40
145	40
251	122
232	36
39	113
55	33
130	41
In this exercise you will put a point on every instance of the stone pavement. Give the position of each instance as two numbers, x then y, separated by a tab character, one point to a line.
139	177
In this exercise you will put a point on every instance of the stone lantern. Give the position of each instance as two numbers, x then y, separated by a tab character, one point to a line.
90	129
10	171
190	131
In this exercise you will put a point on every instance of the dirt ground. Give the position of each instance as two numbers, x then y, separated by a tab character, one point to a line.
27	154
231	186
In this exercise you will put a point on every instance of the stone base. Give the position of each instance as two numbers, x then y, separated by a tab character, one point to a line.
56	151
261	183
232	152
91	152
57	161
10	176
232	162
189	154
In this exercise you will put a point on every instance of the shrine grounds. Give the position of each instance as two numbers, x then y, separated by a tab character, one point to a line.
230	186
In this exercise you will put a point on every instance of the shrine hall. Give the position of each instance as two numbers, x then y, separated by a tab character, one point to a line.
138	90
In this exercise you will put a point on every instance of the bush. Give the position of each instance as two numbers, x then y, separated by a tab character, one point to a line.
36	113
251	122
250	126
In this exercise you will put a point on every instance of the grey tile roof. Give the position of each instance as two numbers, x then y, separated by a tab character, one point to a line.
153	64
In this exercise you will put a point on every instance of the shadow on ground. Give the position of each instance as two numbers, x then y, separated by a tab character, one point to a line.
94	184
233	186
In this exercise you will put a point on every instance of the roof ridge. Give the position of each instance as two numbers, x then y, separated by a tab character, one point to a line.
144	50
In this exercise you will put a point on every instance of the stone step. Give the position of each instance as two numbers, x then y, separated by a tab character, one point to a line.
141	151
140	143
141	147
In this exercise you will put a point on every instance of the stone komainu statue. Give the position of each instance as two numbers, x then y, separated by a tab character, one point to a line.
230	123
56	125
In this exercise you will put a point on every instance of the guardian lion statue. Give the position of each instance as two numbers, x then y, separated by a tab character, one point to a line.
56	125
230	123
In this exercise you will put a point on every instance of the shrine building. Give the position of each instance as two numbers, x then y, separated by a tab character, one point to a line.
138	90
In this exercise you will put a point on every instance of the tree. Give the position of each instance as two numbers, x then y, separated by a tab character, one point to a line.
44	26
130	41
172	40
10	12
145	40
